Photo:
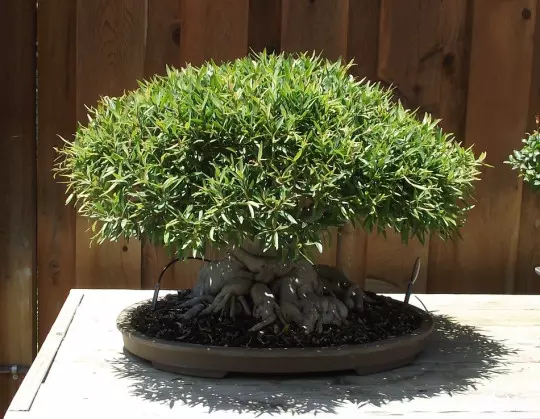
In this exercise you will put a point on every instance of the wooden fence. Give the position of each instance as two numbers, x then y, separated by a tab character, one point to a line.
473	63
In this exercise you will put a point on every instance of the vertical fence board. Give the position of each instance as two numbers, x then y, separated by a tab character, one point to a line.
498	101
409	58
56	117
456	19
111	35
264	25
162	49
213	30
529	233
362	47
162	36
363	37
417	37
17	190
217	31
320	27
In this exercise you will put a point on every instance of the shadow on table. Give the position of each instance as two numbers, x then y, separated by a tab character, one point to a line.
456	358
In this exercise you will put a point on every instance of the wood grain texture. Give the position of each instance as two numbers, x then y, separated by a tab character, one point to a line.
56	117
162	36
217	31
529	234
423	54
322	27
351	253
497	113
319	26
265	25
456	26
162	50
17	190
483	363
363	37
110	59
213	30
45	357
362	47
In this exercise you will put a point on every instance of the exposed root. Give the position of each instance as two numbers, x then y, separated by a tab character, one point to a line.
336	283
265	306
238	286
196	300
269	290
194	311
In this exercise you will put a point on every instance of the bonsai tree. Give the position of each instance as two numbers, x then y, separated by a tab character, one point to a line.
261	156
526	162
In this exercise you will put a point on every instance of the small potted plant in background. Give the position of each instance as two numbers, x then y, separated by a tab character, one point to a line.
261	156
526	161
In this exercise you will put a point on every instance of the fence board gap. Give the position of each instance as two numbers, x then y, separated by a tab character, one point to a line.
265	25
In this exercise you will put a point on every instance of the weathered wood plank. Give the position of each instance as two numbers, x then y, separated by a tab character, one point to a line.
56	117
319	27
17	190
43	362
110	59
465	370
423	52
456	25
217	31
162	50
265	25
408	59
213	30
363	37
529	237
497	111
351	253
362	47
162	36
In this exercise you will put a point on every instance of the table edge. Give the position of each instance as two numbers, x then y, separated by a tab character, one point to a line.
25	395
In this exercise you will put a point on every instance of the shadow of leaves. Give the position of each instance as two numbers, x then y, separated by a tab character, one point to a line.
456	359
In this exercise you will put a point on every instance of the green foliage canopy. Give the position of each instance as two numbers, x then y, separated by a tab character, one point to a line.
276	148
526	161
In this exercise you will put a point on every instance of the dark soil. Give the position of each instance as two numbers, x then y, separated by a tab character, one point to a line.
384	319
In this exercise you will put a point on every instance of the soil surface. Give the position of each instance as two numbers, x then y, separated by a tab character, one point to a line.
385	318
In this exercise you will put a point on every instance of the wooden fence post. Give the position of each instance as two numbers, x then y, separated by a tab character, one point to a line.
17	190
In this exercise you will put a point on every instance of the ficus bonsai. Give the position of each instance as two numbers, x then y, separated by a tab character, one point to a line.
262	156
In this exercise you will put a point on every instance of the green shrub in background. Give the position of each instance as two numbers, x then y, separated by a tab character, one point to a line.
276	148
526	161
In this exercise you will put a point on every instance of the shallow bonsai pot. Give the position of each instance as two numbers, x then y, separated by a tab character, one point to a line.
217	361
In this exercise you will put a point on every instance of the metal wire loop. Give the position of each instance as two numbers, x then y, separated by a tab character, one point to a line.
157	287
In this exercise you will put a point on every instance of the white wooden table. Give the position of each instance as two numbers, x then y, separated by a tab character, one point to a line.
485	361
